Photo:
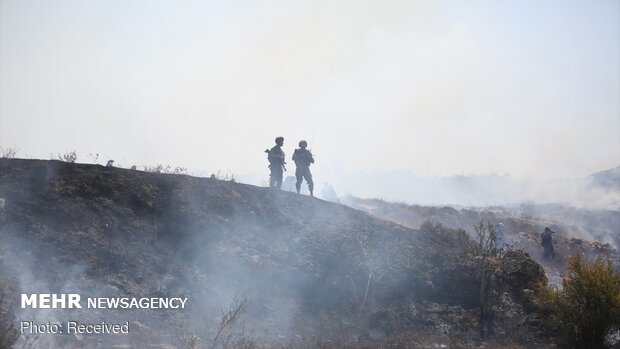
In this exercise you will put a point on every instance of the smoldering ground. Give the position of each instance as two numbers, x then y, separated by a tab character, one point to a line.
301	268
33	265
97	234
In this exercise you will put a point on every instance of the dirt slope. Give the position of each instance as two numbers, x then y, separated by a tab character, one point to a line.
309	269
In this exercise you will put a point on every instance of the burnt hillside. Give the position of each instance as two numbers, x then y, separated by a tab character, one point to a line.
593	233
308	269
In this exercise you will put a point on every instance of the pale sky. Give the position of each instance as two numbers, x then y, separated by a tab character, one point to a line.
526	88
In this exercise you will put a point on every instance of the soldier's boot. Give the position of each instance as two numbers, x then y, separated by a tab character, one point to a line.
298	187
311	189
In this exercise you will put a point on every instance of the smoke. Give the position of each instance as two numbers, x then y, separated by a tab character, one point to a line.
44	250
385	87
35	268
492	190
306	268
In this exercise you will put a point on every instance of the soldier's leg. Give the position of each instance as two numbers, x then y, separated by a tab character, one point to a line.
279	175
299	176
272	177
308	176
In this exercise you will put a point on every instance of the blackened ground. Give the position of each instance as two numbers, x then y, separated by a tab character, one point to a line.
309	269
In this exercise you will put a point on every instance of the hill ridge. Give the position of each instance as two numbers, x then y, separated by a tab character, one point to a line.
304	266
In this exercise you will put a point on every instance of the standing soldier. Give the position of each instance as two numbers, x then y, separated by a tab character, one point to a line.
303	158
277	164
547	243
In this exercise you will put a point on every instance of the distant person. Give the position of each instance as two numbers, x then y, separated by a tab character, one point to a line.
133	167
303	158
277	165
547	243
110	163
328	193
500	238
288	184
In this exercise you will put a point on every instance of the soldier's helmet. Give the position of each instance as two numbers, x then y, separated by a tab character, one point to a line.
279	140
303	144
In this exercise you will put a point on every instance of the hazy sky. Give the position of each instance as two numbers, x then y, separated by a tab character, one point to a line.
528	88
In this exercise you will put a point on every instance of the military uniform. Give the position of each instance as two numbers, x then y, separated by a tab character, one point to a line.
276	166
303	158
547	242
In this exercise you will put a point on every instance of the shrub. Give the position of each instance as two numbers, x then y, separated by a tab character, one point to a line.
69	156
224	176
93	157
431	227
8	153
159	168
588	306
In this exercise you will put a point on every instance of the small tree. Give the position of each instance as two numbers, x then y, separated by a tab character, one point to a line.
485	249
588	306
229	318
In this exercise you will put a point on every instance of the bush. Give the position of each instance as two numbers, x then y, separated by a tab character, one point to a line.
8	153
588	306
159	168
432	227
226	176
70	156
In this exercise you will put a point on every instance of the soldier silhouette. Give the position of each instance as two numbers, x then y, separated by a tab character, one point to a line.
547	242
277	165
303	158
